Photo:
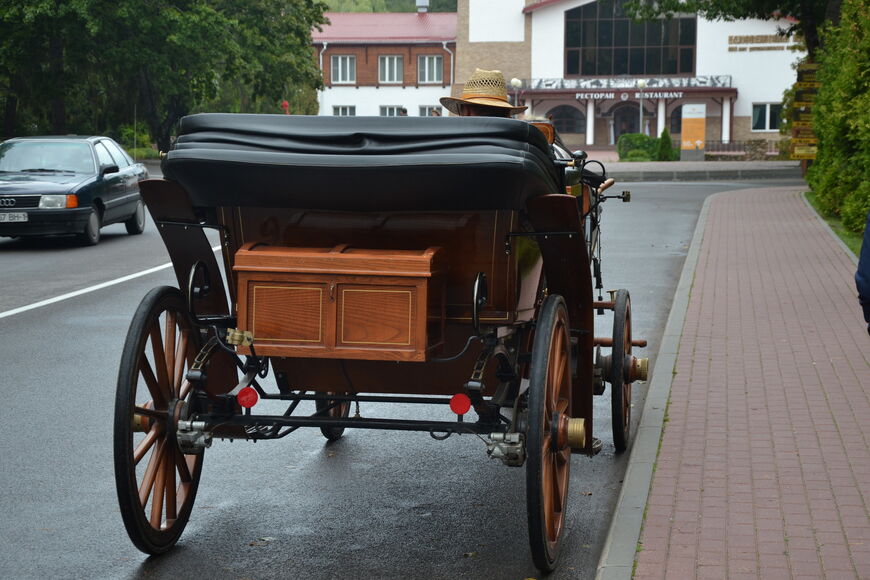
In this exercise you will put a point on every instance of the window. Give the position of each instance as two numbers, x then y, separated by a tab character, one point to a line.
120	158
344	111
343	69
390	69
103	155
567	119
392	111
765	117
429	68
428	111
601	40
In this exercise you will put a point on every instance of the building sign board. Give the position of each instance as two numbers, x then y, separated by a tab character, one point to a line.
601	95
652	84
694	128
803	140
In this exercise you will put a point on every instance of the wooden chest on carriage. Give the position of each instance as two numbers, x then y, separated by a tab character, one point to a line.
342	302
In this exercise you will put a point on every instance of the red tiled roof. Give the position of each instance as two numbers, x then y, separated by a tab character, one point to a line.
387	27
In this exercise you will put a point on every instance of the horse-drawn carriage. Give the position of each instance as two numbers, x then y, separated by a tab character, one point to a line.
426	261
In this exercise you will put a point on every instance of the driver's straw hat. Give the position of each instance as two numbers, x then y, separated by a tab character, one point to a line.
486	88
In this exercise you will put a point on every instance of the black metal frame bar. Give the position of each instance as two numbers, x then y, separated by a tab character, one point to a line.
273	421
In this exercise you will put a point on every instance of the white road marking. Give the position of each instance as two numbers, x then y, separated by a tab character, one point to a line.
89	289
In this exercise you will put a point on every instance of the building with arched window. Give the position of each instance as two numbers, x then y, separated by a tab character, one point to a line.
597	74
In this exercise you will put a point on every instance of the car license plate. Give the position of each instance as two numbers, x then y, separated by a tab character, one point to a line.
13	217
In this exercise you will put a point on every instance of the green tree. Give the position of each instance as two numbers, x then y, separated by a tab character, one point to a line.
807	16
86	65
840	175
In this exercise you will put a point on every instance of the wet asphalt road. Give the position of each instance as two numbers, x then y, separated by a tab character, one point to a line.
373	505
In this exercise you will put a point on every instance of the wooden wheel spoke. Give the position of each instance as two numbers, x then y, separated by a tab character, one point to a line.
550	498
180	360
153	413
157	496
148	478
169	346
185	389
558	482
171	505
182	467
151	382
144	445
160	360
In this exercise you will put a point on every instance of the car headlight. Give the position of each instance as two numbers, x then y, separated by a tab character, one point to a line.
58	201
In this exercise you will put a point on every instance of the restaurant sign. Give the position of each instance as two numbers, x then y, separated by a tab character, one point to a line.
621	83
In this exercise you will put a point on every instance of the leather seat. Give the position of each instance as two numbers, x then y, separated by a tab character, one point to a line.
361	163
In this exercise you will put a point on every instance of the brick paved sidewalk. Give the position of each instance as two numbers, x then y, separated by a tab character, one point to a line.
764	467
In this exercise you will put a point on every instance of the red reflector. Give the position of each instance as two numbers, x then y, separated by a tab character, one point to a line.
248	397
460	403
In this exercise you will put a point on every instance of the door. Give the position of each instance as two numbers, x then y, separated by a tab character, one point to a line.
625	120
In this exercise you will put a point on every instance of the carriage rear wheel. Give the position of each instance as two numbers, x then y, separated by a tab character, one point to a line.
156	482
548	463
620	387
336	411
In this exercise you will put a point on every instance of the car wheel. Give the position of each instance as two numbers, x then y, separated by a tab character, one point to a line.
91	235
136	223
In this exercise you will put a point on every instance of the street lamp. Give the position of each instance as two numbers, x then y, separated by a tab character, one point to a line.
641	84
516	84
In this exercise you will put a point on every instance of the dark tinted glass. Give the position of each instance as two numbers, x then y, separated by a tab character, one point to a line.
572	33
620	61
687	31
620	33
635	62
672	32
605	61
654	33
605	33
670	56
590	34
653	61
687	60
572	62
589	55
637	33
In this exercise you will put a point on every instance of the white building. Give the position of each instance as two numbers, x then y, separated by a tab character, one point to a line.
582	62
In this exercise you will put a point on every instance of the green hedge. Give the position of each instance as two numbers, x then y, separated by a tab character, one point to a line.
840	175
629	142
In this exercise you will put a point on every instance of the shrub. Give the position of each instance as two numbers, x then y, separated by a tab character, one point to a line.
130	138
666	150
841	118
140	153
629	142
637	155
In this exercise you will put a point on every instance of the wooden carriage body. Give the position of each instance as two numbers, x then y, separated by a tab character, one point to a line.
426	261
330	213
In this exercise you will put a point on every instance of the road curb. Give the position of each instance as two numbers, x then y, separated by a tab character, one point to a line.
709	175
620	547
834	235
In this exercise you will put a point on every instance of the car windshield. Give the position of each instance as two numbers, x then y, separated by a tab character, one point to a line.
46	157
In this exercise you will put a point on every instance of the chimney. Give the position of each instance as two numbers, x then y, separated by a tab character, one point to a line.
422	6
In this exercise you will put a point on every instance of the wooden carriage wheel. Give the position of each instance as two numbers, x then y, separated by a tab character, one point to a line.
548	462
156	482
338	411
620	387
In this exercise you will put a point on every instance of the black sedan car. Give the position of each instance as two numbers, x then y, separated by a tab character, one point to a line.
68	185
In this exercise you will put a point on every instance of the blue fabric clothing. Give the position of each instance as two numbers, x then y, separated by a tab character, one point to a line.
862	276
